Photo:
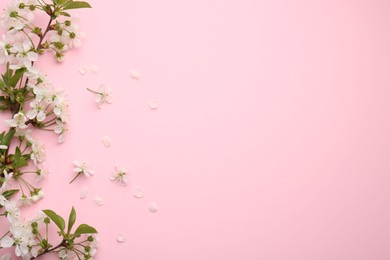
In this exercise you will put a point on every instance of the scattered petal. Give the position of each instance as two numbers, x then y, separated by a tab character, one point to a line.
94	69
153	105
98	201
120	238
84	193
138	194
153	207
106	141
83	70
135	75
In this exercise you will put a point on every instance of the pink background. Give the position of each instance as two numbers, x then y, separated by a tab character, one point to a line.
271	140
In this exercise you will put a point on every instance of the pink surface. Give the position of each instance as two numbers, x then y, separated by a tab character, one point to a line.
271	140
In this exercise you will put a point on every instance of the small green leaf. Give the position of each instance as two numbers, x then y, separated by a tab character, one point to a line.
6	77
16	77
57	219
84	229
2	84
65	14
9	193
5	103
18	153
8	137
20	163
12	97
76	5
72	219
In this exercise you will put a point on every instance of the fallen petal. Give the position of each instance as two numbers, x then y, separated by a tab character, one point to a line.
84	193
94	69
120	238
83	70
98	201
153	105
138	194
135	75
106	141
153	207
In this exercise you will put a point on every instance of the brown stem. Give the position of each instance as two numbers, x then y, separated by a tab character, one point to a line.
63	243
44	34
75	177
6	152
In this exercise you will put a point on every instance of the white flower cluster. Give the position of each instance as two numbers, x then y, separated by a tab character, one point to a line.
18	21
21	232
48	108
87	249
24	236
18	15
66	35
34	102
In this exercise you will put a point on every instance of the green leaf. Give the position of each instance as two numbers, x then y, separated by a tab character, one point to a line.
5	103
18	153
65	14
76	5
17	158
12	96
8	137
72	219
8	194
57	219
16	77
21	162
5	80
84	229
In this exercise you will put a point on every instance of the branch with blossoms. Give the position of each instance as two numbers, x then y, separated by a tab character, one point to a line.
34	103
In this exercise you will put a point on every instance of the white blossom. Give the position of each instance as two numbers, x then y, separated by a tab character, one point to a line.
24	53
66	254
12	211
38	195
6	180
37	111
61	130
19	120
120	175
38	150
41	172
11	20
102	96
61	108
82	167
3	51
